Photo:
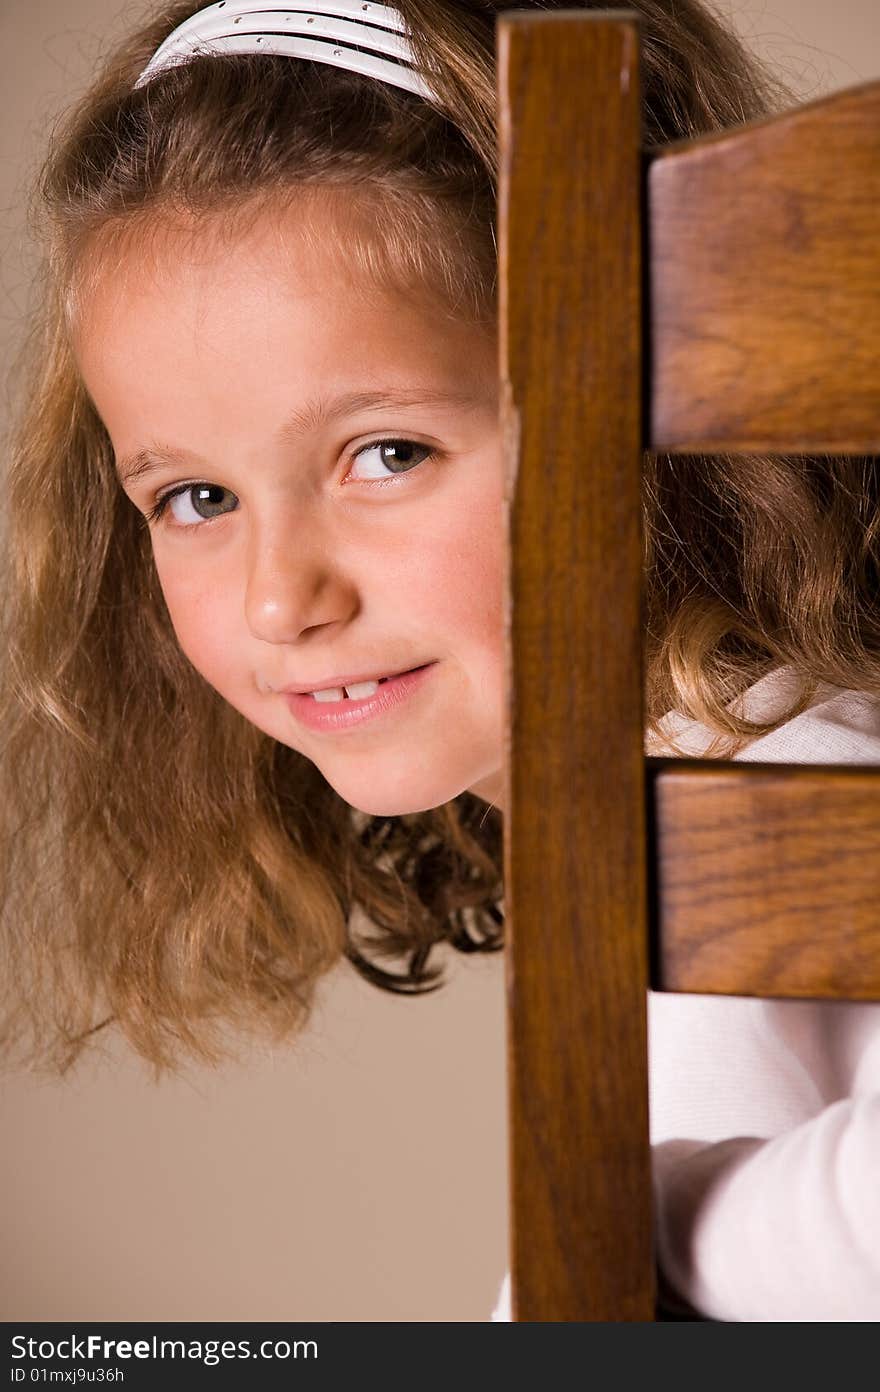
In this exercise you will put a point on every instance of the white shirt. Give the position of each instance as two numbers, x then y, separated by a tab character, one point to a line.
765	1115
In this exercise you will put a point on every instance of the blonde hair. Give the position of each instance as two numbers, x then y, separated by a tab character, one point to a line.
118	758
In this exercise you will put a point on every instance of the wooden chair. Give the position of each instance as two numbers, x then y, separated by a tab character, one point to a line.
709	296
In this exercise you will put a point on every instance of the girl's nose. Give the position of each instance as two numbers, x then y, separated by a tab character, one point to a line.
294	583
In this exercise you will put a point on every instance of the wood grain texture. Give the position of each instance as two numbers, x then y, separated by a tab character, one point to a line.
767	879
570	329
765	284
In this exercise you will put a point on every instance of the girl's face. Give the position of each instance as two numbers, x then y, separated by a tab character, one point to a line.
246	385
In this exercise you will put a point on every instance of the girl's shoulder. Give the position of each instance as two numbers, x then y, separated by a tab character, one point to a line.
838	727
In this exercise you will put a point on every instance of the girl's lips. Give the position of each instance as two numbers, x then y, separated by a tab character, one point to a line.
345	714
340	681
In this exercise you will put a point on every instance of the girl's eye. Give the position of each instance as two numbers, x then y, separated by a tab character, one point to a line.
193	503
395	455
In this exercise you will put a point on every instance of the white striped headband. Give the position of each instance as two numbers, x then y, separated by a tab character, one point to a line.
338	32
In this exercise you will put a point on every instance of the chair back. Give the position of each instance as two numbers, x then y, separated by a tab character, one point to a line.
722	294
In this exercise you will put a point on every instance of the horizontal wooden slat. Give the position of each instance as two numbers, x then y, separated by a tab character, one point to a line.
766	879
764	249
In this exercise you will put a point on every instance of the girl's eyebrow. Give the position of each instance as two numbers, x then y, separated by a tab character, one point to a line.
319	411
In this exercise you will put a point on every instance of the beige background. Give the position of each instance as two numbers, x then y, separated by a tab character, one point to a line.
359	1175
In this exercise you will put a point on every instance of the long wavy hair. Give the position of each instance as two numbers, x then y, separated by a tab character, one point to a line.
176	885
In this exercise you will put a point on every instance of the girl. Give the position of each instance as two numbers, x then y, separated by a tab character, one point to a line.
256	480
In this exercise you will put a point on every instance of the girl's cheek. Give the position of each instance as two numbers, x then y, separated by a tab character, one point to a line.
199	612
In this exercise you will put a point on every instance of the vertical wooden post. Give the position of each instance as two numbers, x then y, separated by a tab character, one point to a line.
571	333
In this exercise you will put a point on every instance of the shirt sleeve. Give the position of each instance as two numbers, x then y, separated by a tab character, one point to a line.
766	1161
501	1311
786	1228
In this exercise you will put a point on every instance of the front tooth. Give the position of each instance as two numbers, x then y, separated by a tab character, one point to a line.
359	690
330	693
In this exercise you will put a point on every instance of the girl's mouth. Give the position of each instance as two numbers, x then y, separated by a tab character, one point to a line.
342	713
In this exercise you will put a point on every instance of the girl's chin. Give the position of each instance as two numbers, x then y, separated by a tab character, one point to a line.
392	806
401	805
399	800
